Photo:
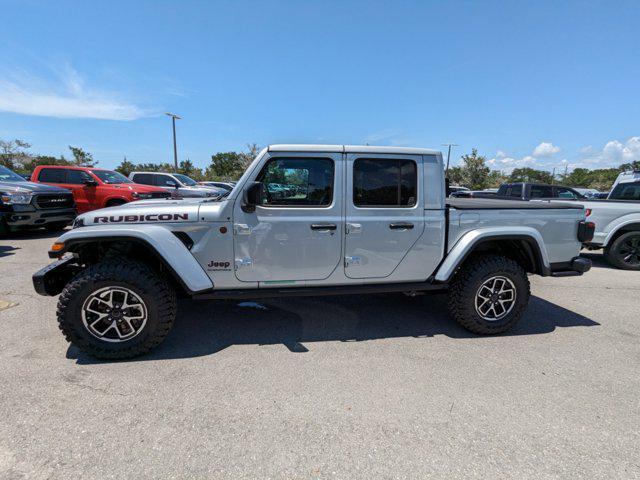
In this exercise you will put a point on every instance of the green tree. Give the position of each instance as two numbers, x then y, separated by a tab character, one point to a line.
125	167
455	175
495	179
475	173
81	157
225	166
14	154
526	174
186	167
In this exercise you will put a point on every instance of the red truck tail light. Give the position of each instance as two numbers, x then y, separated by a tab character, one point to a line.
587	212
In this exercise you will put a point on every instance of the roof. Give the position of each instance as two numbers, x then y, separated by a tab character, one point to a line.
351	149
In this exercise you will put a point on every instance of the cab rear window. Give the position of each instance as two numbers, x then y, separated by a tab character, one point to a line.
52	175
626	191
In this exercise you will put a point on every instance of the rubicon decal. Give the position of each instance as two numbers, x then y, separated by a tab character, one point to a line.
152	217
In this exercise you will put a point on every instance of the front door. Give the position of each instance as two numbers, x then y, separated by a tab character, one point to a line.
295	233
384	212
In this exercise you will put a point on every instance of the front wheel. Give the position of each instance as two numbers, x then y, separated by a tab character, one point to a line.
624	251
489	294
116	309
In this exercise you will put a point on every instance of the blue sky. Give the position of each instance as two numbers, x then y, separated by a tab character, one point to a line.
539	84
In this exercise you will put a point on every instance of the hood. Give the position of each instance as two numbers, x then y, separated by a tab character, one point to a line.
30	187
143	211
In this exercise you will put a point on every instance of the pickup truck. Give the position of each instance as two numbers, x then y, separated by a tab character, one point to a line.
617	231
360	219
95	188
537	191
28	205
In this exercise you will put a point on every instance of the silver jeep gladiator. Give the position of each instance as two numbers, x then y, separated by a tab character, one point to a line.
307	220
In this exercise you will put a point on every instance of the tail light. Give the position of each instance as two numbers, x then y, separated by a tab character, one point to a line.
587	212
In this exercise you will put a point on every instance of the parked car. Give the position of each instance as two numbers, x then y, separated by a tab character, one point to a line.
25	204
457	188
95	188
224	185
601	196
586	192
626	187
371	219
531	191
178	185
617	230
473	194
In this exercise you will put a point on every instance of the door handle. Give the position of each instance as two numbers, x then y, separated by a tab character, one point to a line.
401	226
323	226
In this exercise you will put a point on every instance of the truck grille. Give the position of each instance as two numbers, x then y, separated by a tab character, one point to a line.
57	200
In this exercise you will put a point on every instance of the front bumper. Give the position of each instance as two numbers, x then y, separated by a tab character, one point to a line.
50	280
577	266
29	218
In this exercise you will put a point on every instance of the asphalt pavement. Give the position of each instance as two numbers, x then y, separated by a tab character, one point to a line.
377	386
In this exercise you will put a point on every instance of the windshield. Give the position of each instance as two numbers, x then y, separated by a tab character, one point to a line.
107	176
626	191
7	175
185	180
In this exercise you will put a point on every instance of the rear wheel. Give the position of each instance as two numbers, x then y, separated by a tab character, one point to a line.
624	251
489	294
116	309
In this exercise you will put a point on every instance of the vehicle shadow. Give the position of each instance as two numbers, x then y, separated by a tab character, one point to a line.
31	234
204	328
597	260
6	250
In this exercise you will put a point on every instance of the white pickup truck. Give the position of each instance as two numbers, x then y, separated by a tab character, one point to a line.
307	220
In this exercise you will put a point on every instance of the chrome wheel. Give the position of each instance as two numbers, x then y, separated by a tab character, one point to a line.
495	298
114	314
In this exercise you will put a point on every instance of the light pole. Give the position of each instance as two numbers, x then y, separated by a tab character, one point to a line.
175	148
449	154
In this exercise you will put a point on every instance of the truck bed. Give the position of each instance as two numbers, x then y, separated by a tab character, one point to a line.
495	204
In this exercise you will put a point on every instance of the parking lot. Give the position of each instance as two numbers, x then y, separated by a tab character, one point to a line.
330	387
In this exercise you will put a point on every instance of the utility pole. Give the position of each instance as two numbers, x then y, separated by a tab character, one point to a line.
553	176
175	148
449	154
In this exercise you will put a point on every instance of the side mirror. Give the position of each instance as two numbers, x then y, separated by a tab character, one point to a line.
171	183
252	197
90	182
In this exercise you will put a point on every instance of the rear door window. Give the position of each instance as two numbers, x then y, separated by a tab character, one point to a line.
541	191
384	182
52	175
144	178
516	191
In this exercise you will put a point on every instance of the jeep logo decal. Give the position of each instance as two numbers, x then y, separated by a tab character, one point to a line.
153	217
216	265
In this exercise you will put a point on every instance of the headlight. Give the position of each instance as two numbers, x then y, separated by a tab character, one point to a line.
16	198
140	196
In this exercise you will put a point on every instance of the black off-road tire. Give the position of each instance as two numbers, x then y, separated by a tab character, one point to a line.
617	251
466	283
157	294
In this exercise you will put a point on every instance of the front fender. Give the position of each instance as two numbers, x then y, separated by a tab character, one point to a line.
465	245
171	251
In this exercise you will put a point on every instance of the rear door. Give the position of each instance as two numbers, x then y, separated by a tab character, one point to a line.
384	212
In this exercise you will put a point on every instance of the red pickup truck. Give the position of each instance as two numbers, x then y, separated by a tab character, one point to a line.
95	188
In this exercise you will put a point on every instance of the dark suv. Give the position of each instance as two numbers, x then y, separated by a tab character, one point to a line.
533	191
26	204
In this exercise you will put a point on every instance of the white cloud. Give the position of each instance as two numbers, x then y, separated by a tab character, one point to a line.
612	154
68	97
545	149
